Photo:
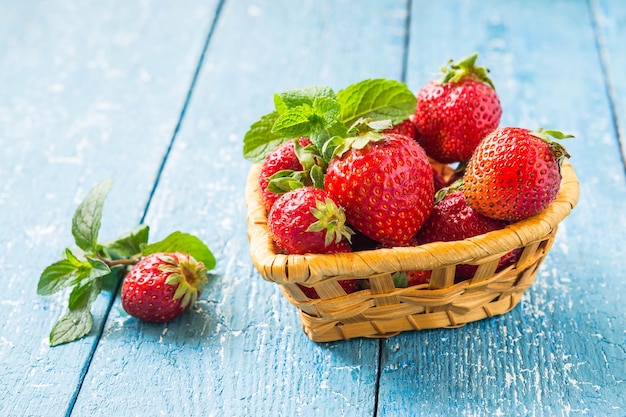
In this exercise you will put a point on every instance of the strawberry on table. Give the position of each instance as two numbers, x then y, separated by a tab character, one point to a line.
455	112
162	285
385	184
514	173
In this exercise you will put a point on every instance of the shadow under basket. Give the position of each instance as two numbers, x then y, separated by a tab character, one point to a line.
381	309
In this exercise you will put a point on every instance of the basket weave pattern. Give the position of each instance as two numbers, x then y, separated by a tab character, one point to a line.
382	310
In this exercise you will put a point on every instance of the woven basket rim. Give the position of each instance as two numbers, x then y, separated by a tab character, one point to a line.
311	268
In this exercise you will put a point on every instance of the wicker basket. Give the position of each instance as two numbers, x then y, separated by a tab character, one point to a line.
383	310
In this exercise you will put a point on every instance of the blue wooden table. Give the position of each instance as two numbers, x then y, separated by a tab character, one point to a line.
157	95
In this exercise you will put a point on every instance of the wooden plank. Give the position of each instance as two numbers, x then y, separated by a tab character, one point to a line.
561	352
241	351
609	17
86	95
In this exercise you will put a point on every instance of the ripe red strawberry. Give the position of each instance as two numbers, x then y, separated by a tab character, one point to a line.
452	219
348	285
454	113
307	220
386	187
406	128
281	158
411	278
162	285
514	173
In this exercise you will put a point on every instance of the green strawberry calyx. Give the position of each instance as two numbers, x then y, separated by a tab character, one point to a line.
454	187
454	72
313	165
560	153
362	132
189	275
332	219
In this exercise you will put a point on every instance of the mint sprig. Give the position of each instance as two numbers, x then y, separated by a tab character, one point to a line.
323	116
86	268
377	99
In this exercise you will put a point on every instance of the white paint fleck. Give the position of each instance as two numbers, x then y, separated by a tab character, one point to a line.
37	233
255	11
6	343
56	88
145	76
509	379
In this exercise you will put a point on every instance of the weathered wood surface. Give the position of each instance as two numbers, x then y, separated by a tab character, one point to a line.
96	90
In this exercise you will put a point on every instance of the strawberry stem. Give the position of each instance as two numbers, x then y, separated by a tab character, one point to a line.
456	71
560	153
118	262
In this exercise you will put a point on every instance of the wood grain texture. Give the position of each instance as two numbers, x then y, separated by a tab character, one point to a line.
241	352
94	90
561	351
86	95
610	22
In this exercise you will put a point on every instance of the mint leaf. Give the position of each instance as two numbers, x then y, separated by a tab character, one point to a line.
184	243
376	99
78	321
328	109
130	243
56	277
72	326
88	215
96	269
295	122
260	140
294	98
83	295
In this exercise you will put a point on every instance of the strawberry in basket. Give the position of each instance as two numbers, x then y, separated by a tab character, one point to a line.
283	159
455	112
307	220
452	219
514	173
385	185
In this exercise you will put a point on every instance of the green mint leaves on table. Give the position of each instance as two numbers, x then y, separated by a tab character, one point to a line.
87	268
326	117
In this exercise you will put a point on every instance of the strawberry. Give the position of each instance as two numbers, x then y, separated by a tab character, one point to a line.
514	173
385	185
452	219
411	278
348	285
307	220
162	285
282	158
455	112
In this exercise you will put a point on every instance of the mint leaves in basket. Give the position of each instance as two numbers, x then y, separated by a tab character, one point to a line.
178	268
